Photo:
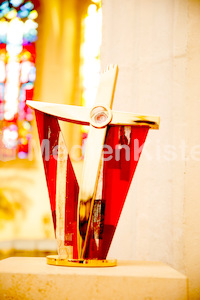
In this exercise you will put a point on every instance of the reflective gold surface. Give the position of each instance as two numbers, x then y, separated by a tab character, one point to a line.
82	115
92	159
91	167
70	113
126	118
56	261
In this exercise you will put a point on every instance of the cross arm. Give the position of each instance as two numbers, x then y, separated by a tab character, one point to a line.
126	118
81	115
71	113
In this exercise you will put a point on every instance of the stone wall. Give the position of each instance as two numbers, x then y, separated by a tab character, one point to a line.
157	47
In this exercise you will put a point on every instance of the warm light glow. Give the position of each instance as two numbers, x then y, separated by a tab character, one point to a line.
11	14
15	32
33	15
90	54
29	25
10	138
96	1
2	71
27	72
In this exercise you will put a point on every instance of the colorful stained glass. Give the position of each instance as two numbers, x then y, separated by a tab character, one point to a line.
18	33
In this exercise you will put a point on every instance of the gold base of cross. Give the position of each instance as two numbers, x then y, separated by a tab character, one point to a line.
56	261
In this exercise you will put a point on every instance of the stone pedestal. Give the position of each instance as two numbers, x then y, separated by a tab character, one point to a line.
31	278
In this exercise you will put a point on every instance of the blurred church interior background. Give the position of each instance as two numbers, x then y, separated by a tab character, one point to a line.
49	51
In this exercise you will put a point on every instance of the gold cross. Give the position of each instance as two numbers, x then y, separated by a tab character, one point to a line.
98	118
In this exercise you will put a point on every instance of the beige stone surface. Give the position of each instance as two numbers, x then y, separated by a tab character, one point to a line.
157	47
32	278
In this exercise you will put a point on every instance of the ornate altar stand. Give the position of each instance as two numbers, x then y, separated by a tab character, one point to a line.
31	278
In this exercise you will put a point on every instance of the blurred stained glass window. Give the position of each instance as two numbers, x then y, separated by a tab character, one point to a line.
18	34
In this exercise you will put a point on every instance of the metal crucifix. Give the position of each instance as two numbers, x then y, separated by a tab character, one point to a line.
85	217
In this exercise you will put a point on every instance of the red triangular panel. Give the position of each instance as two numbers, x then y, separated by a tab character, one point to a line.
118	172
121	145
49	134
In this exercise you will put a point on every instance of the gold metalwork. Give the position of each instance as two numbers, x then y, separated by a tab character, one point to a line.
98	118
125	118
56	261
92	160
70	113
82	115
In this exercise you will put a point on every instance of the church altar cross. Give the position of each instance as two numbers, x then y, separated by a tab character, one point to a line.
94	193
